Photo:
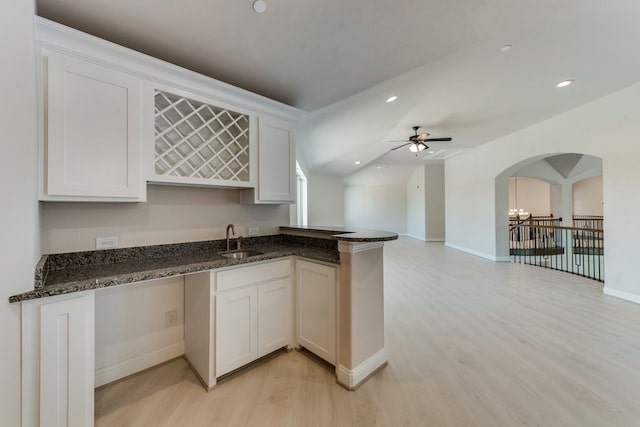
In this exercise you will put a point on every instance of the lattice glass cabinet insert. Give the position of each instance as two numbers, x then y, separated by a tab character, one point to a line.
197	140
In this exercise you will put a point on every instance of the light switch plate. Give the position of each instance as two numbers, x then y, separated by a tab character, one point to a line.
106	242
253	231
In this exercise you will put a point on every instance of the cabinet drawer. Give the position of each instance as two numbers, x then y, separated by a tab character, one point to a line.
247	275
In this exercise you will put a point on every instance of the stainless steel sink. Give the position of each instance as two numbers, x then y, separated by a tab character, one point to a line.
241	254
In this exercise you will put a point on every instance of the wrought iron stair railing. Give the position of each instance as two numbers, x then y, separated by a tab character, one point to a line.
571	249
589	221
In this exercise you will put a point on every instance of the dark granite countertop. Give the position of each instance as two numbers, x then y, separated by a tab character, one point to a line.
345	234
59	274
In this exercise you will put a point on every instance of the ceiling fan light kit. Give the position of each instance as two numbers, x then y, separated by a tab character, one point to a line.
414	148
416	142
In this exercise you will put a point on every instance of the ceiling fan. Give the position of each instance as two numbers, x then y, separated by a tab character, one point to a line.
417	141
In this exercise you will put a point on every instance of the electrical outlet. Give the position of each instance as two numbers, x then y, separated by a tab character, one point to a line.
254	231
106	242
171	318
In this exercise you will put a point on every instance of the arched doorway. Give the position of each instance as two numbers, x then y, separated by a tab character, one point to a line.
555	213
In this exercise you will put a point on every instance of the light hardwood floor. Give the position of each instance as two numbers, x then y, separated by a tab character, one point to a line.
470	342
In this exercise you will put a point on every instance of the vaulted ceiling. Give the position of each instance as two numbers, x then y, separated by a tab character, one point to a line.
340	61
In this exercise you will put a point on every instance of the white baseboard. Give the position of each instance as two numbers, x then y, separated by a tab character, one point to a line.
422	238
351	378
621	294
471	251
125	368
478	253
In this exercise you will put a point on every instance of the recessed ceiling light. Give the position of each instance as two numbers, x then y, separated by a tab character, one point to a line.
259	6
379	167
357	162
506	48
391	98
564	83
431	151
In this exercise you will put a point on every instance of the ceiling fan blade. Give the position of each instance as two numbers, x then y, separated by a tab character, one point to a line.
437	139
400	146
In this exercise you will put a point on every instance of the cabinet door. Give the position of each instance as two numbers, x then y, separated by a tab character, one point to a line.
276	162
236	329
93	132
316	309
274	314
58	360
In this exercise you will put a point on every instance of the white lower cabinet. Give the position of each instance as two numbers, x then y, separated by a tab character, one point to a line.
316	308
253	313
274	316
236	329
245	311
58	360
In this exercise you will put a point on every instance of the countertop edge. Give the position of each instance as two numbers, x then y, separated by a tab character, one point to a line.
355	239
340	234
145	275
346	234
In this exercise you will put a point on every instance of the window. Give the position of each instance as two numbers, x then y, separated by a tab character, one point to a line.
301	203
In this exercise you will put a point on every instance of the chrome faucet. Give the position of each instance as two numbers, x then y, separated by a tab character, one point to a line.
233	230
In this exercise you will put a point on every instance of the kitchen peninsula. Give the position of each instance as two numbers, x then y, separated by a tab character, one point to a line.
360	300
334	271
114	125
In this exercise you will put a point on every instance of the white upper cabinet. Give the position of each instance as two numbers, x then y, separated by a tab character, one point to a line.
92	132
276	164
115	119
198	141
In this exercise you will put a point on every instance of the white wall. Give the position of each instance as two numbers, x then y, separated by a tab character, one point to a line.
606	128
434	199
425	203
560	186
19	213
131	329
171	214
376	207
587	196
325	202
416	206
533	195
